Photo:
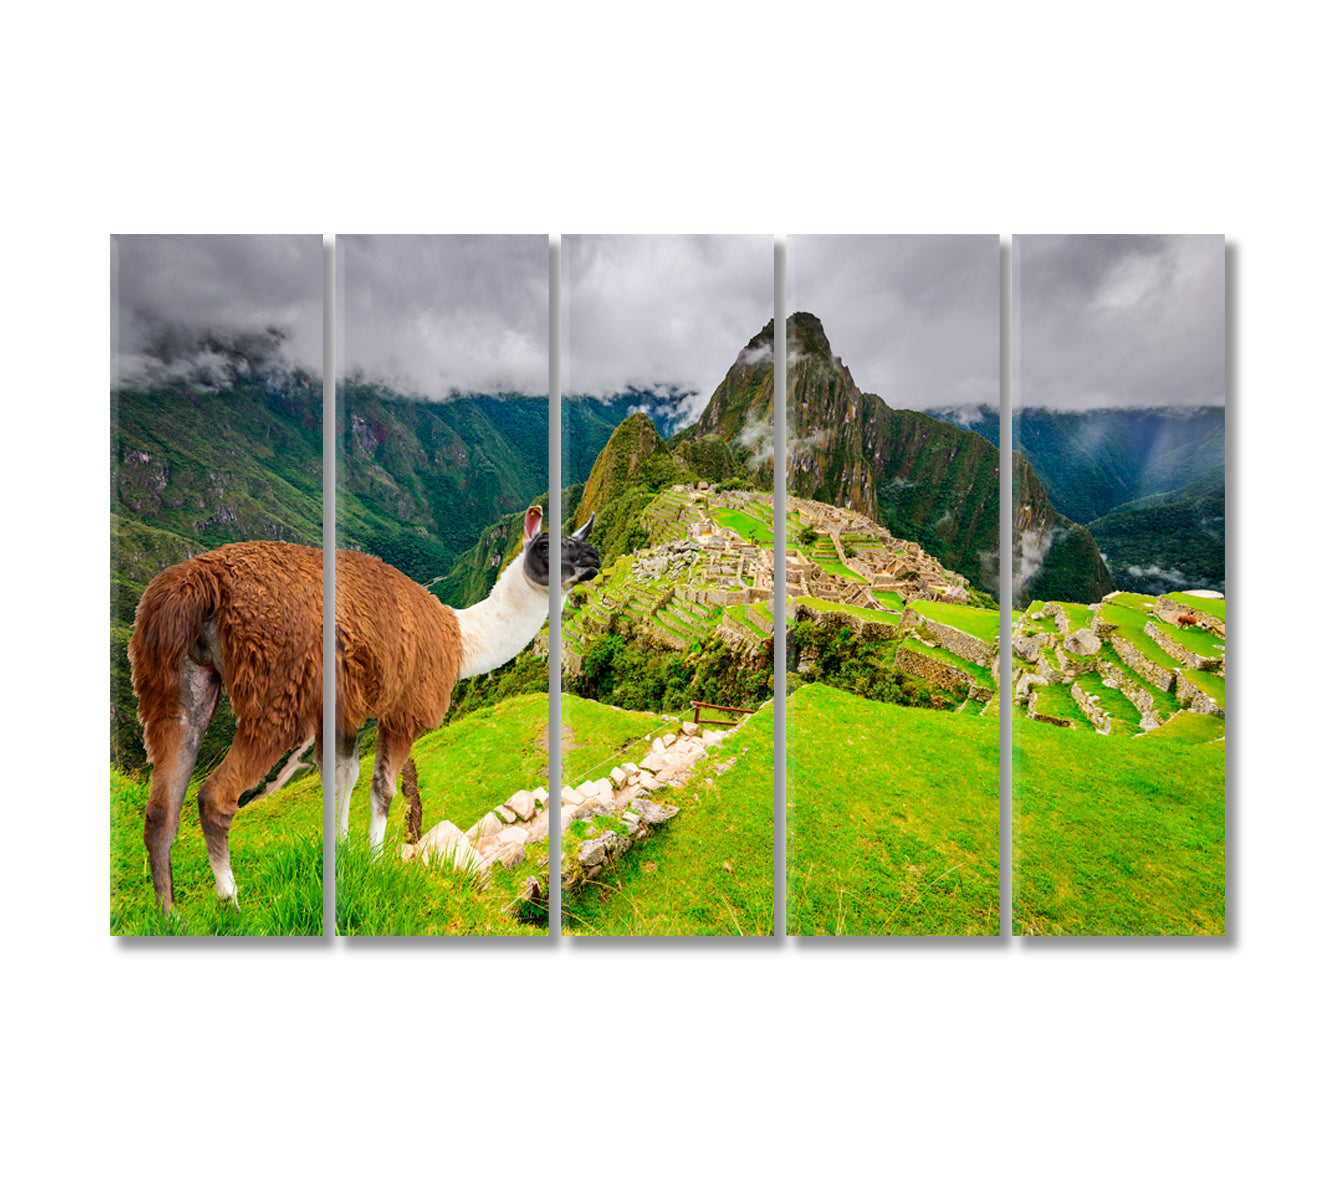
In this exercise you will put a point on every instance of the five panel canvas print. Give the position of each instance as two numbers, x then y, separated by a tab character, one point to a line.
671	571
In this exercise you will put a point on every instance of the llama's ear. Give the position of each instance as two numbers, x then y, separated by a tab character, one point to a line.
581	534
532	522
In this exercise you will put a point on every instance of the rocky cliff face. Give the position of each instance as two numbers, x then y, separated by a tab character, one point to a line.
928	481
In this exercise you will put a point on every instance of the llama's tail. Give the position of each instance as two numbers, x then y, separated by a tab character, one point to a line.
170	617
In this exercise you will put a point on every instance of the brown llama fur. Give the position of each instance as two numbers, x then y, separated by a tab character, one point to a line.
248	617
1184	619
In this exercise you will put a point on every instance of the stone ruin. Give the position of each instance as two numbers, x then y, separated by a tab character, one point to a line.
504	834
624	794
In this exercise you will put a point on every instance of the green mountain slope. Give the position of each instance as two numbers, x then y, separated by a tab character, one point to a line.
1173	539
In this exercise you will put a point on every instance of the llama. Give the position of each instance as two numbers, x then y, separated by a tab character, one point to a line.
400	653
250	617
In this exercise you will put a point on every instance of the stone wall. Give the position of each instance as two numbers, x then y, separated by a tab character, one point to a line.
1090	707
501	836
1187	658
1137	696
965	645
624	794
874	631
941	674
1196	700
1157	675
1169	610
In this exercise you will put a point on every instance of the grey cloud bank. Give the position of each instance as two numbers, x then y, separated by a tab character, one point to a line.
1119	322
915	318
204	308
435	316
667	314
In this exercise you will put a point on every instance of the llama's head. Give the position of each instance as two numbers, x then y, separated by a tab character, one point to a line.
578	560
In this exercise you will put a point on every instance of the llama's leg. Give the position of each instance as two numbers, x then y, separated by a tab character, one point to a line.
246	764
346	768
174	745
391	749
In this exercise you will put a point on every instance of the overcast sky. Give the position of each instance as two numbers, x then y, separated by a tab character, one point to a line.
1109	321
170	290
915	318
665	312
447	314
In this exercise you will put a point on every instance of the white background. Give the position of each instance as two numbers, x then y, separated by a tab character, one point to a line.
1172	1069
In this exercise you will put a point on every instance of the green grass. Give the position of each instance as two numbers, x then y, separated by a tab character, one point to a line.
1130	624
1190	727
869	614
892	819
464	770
1078	616
980	622
1116	835
746	525
384	896
277	857
596	737
940	654
1197	640
709	871
891	600
834	567
1210	607
1213	686
1055	700
1113	703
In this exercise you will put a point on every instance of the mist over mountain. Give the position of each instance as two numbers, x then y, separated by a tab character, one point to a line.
1149	482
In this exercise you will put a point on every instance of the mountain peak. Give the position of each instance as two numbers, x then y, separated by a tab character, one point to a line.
806	334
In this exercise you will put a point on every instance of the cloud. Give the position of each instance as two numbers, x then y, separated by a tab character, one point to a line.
669	312
436	316
1118	322
203	311
916	318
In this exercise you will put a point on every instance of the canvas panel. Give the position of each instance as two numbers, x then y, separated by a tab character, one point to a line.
1120	585
667	655
442	584
216	530
893	636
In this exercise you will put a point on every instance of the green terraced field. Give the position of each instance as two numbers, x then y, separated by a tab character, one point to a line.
983	623
749	527
939	653
869	614
1205	604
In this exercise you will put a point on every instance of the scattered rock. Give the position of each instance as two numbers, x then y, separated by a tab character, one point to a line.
523	804
689	728
618	777
653	814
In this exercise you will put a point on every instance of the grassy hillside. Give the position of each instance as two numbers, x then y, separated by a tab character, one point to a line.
1117	835
893	818
277	858
464	771
710	869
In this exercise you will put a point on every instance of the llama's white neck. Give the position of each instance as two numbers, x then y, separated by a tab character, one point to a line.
495	630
